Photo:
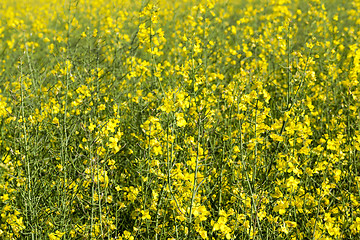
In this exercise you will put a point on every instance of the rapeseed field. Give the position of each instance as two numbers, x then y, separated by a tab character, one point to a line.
179	119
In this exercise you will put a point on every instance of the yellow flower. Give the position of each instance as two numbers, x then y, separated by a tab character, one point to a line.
5	197
236	149
113	144
55	121
145	214
203	234
180	121
290	224
276	137
277	194
56	236
292	184
281	207
92	126
355	227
